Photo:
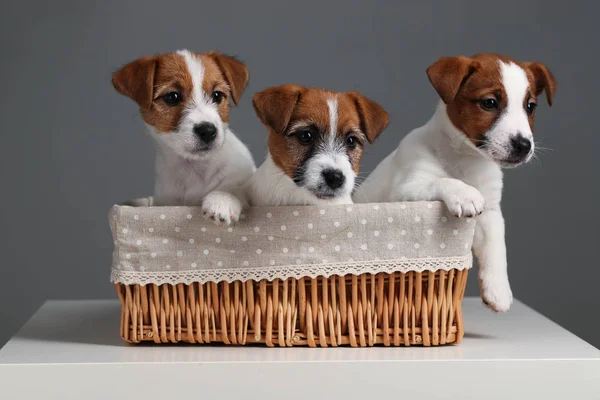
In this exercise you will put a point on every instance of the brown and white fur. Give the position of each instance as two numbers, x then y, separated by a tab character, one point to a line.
316	140
184	99
484	122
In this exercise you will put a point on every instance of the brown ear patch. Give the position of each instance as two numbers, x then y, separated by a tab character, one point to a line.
136	80
373	118
449	73
543	80
234	71
274	106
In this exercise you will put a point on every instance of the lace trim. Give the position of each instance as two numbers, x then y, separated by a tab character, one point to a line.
292	271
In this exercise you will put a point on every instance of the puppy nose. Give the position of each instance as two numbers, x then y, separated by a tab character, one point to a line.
520	145
206	131
334	178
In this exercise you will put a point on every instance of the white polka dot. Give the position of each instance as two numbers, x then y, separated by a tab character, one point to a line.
429	232
271	238
429	205
417	245
167	266
139	242
403	206
417	218
323	237
296	213
298	261
142	268
466	245
232	251
403	232
310	226
136	217
125	230
272	262
442	245
403	258
128	256
363	247
180	253
153	255
258	251
193	265
256	229
296	237
163	216
203	229
191	240
336	224
322	212
455	232
244	238
324	261
390	246
189	216
376	233
219	264
285	249
390	219
246	263
205	251
363	221
444	219
229	230
283	227
218	240
269	215
337	248
311	249
351	260
349	209
376	207
150	230
350	234
177	229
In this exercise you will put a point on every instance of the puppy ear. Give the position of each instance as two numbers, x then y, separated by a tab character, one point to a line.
373	118
235	73
448	74
544	80
274	106
136	80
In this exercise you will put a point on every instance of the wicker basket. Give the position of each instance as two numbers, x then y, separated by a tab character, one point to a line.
390	308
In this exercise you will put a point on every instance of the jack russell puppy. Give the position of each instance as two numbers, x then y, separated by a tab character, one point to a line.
483	123
184	99
316	140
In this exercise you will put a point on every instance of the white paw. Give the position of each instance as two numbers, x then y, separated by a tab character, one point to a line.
221	207
496	294
465	202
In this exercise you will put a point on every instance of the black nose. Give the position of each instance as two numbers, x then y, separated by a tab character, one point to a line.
334	178
520	146
206	131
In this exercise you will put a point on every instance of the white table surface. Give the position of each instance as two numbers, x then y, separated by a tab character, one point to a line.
72	349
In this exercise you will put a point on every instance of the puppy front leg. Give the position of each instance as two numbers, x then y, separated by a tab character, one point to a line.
222	206
490	249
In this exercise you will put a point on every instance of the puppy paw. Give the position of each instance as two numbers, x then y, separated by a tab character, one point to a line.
465	202
221	207
496	295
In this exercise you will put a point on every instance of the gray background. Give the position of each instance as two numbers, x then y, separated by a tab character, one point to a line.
71	146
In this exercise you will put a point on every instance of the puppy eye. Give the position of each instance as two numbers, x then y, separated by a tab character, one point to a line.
531	107
489	104
217	96
351	142
304	137
172	98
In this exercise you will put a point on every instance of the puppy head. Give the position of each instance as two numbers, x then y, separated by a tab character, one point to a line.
317	137
492	100
184	97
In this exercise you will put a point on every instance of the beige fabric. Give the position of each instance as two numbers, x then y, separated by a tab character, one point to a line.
177	245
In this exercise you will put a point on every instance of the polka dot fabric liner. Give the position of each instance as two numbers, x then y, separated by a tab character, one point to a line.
178	245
